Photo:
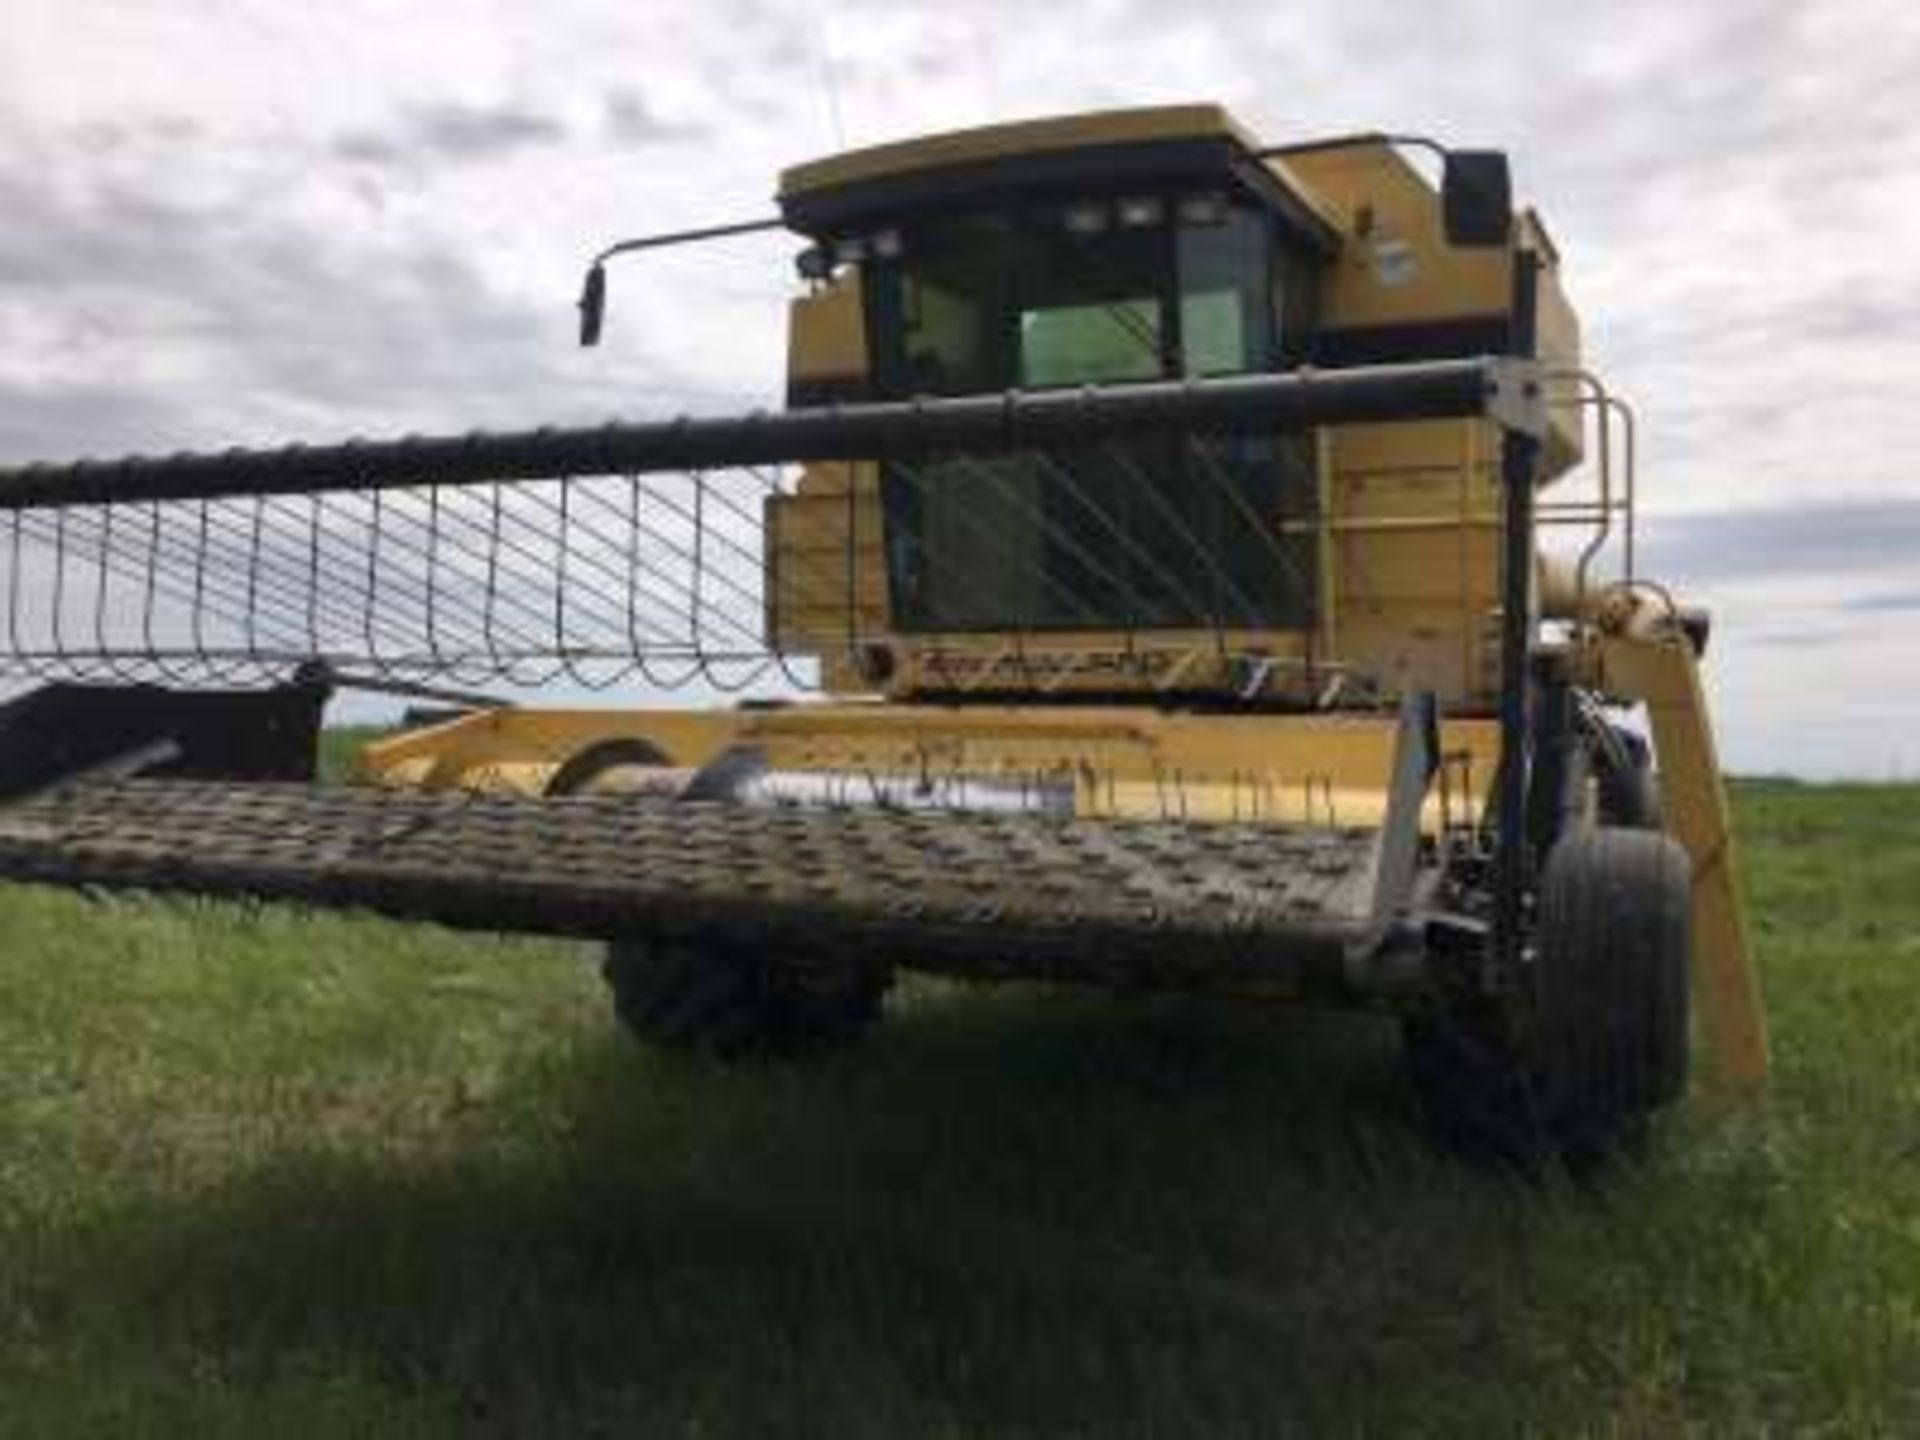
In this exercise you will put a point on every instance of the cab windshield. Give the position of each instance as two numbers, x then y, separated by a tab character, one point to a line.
1155	532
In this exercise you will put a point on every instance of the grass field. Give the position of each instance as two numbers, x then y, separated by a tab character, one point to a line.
266	1175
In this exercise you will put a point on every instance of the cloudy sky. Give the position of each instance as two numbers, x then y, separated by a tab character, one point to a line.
233	221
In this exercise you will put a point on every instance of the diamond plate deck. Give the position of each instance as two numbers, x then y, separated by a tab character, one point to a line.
972	893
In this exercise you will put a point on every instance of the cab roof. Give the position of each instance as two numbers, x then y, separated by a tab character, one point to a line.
1171	146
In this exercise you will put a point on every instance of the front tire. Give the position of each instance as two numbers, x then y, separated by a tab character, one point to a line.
1628	791
731	1000
1580	1065
1611	994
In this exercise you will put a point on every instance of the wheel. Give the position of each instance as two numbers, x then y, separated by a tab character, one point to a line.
1600	1042
581	772
1627	791
1472	1088
1611	989
721	999
731	1000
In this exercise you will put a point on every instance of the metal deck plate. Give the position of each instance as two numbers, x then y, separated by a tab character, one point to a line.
1128	901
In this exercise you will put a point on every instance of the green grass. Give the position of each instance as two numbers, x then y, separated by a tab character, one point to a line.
263	1174
340	747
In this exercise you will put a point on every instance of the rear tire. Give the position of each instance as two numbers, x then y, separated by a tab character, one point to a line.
731	1001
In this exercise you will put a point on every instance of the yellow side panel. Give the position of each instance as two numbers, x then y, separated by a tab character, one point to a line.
1413	555
1451	567
1397	265
826	336
517	750
1325	769
826	587
826	573
1662	672
1397	268
1401	648
1442	494
1413	445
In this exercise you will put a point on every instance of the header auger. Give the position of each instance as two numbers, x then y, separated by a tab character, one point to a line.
1143	586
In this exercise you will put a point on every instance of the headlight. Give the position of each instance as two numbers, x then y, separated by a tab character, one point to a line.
1086	219
1203	209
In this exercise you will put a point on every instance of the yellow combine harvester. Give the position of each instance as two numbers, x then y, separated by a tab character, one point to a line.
1158	515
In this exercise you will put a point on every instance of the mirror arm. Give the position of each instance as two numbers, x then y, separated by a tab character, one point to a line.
593	290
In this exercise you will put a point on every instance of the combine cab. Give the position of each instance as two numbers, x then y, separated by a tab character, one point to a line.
1156	579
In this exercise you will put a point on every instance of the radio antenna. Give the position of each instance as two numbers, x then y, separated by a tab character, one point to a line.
829	81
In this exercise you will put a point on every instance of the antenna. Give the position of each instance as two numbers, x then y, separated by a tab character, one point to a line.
989	71
829	81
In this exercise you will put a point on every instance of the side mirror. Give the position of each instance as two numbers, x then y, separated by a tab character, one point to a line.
1476	198
593	305
813	263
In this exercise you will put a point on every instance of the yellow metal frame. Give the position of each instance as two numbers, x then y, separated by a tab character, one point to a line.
1659	668
1122	760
